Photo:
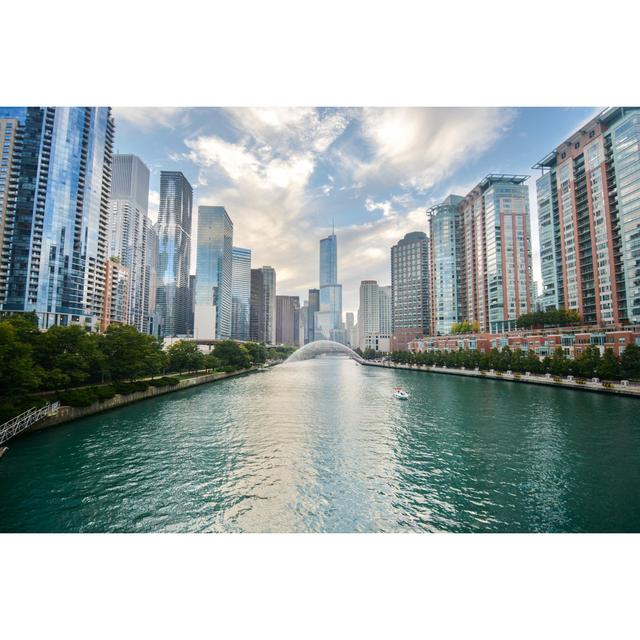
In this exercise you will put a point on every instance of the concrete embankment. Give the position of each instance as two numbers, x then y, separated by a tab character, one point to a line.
528	378
67	414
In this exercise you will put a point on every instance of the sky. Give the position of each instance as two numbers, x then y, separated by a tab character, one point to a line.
285	175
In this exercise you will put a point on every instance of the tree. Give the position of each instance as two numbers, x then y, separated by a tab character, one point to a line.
465	327
17	372
257	352
587	363
630	362
609	366
129	353
185	355
232	354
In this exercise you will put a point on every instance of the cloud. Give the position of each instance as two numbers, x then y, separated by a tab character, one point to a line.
418	147
276	170
154	204
149	118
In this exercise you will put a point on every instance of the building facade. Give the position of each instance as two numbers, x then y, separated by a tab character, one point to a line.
590	220
213	299
329	317
128	230
410	297
240	293
262	319
314	307
55	212
174	253
446	264
116	300
288	320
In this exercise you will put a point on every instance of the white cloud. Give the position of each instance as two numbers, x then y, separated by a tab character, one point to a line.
148	118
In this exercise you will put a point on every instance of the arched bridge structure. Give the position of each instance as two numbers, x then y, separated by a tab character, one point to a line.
320	347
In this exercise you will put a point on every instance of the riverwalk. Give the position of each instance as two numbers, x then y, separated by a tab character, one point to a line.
624	388
68	414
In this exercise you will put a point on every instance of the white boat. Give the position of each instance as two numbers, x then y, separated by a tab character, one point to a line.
400	394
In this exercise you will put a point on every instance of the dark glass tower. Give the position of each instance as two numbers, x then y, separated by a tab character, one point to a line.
173	299
55	218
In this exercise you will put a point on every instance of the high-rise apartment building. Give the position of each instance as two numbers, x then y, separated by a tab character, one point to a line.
480	262
174	253
128	225
374	316
446	264
262	324
54	193
589	220
288	320
212	312
351	328
151	323
240	293
116	300
410	289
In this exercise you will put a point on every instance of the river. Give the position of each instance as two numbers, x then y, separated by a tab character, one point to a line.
323	446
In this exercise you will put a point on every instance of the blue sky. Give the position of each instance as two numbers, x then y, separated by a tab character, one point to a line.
283	174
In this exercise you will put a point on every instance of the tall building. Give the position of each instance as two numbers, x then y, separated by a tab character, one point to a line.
240	293
151	324
115	304
212	314
288	320
174	253
374	316
329	317
410	296
589	220
56	181
446	264
314	307
480	263
262	324
128	225
350	328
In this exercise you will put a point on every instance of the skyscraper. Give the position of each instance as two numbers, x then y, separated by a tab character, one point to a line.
262	325
329	317
350	327
588	217
240	293
213	274
116	294
55	212
287	320
314	307
410	289
174	253
481	256
151	324
128	224
446	264
374	316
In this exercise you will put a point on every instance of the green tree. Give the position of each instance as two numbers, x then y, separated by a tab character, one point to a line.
129	353
630	362
232	354
17	372
184	355
609	366
257	352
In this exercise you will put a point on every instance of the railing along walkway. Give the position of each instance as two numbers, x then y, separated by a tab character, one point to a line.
18	424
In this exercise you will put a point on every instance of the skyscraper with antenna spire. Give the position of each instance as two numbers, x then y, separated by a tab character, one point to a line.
328	320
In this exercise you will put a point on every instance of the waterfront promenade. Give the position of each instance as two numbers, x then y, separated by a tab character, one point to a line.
547	379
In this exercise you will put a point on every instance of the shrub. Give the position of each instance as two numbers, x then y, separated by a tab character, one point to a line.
126	388
78	397
104	392
165	381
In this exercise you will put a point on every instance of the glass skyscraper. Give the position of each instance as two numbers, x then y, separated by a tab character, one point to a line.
262	323
55	212
446	252
128	227
174	254
240	293
213	274
329	318
313	308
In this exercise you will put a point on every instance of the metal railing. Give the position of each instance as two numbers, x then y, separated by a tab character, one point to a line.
18	424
